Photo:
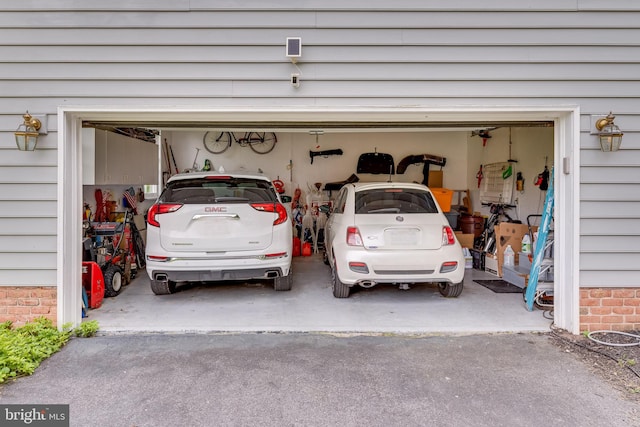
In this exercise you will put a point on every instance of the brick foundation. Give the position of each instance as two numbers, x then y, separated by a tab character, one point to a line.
22	304
616	309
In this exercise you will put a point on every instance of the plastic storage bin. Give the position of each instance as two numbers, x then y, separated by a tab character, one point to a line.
443	197
453	218
478	259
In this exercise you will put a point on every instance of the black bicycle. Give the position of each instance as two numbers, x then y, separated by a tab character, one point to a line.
136	238
487	240
259	142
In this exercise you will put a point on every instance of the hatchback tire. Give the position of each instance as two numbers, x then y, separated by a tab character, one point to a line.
340	290
163	287
283	283
450	290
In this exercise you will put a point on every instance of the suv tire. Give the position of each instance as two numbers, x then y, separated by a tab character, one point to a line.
283	283
163	287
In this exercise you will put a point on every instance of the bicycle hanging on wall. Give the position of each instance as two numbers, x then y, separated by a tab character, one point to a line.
219	142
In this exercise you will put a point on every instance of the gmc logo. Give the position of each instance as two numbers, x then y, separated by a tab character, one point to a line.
216	209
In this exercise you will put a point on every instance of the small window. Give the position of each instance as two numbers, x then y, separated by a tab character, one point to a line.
150	191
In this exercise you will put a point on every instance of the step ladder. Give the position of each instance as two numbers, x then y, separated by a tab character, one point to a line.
541	265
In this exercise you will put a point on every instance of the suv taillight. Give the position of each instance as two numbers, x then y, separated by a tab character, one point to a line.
353	236
272	207
158	209
448	238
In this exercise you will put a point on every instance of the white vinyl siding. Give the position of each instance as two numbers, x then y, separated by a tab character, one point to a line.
365	52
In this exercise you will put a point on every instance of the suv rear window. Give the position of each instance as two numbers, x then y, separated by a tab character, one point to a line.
394	200
218	190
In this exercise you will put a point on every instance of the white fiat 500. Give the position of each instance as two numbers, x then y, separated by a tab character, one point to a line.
393	233
209	226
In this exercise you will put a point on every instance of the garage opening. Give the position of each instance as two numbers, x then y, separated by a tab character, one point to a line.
488	163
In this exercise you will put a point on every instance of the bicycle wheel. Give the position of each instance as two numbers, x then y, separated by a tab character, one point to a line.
262	142
139	248
216	142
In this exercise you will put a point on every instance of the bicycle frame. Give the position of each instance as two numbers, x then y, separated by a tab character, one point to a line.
487	240
259	142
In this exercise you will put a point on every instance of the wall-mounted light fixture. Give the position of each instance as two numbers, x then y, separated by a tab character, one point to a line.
294	48
609	134
27	133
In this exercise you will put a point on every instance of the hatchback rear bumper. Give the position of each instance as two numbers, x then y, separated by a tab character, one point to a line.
405	267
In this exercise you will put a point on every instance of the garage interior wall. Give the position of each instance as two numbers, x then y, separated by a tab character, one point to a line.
531	147
200	54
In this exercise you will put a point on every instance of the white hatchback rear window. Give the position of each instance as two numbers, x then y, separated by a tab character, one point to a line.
394	200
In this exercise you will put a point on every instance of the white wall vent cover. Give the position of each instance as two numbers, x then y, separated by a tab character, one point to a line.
294	47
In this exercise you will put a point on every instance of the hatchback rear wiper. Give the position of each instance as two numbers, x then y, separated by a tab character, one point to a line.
385	210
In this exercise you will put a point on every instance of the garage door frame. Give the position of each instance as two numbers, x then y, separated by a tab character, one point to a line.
566	155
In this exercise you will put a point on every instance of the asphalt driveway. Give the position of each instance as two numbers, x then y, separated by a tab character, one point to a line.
322	380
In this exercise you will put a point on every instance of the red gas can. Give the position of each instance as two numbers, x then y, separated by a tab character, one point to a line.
306	249
296	246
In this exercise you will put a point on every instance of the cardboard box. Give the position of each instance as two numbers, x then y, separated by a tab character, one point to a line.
508	233
436	179
491	265
466	240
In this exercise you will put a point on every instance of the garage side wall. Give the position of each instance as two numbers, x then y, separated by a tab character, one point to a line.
143	54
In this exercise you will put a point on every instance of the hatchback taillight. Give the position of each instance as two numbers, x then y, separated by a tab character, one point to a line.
158	209
272	207
448	237
353	236
448	266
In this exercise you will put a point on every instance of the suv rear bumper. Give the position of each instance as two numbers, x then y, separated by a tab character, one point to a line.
215	275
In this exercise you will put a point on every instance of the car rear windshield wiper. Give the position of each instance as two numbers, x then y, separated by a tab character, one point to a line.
385	210
230	199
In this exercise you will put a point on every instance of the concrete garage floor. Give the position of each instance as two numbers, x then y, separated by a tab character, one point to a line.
311	307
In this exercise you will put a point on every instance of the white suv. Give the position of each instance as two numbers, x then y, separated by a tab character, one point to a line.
209	226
